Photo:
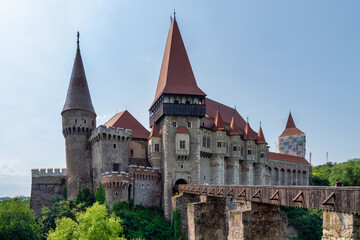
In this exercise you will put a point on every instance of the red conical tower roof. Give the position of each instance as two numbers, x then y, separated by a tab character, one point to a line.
218	122
291	129
233	128
260	137
248	134
154	131
176	75
78	95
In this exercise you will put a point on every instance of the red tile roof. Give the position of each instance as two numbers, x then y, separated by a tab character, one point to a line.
218	122
176	75
78	94
290	129
182	129
260	137
234	130
287	158
126	120
154	131
248	133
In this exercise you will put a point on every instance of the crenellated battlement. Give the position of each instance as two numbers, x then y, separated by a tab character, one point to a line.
43	172
115	179
144	173
110	133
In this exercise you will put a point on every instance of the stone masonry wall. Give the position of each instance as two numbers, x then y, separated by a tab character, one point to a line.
46	185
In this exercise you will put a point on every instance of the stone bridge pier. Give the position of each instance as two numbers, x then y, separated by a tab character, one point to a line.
340	226
209	218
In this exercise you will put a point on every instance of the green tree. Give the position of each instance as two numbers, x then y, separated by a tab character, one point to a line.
100	195
92	225
18	221
348	173
321	173
85	196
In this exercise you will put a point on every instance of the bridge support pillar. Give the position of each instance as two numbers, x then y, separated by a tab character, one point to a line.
180	204
340	226
207	220
257	221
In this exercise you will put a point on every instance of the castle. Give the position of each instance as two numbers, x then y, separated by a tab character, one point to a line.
193	139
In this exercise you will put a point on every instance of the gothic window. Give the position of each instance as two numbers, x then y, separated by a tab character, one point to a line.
234	148
174	124
219	144
182	144
116	167
249	152
189	124
208	142
204	141
157	148
262	155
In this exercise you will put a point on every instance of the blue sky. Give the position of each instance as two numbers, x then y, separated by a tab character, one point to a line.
265	57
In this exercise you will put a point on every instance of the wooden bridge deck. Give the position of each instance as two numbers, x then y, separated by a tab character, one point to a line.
339	199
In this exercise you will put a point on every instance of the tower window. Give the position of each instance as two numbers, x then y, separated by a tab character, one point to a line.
189	124
85	121
116	167
234	148
75	120
204	141
182	144
114	145
262	155
249	152
174	124
208	142
219	144
157	148
181	166
131	152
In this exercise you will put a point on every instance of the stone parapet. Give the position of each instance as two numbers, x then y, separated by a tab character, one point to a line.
144	173
115	179
44	172
110	133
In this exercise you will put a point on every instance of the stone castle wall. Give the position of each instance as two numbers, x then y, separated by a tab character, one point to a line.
292	145
46	185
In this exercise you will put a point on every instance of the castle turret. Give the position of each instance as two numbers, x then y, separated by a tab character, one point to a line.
292	141
78	120
233	173
154	150
217	160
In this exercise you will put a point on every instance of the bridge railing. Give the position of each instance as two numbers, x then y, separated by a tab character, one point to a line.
339	199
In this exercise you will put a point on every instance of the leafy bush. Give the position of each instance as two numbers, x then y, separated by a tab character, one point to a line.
100	195
18	221
307	222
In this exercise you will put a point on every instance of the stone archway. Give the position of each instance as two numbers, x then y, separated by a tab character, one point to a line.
176	185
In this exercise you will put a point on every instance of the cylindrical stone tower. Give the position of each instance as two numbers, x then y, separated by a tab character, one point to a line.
78	120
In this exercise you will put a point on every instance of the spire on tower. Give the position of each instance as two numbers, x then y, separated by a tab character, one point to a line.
248	133
218	122
260	137
234	130
78	95
78	42
290	128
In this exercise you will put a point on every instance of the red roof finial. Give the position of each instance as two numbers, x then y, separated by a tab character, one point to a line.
248	133
218	122
234	130
260	137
